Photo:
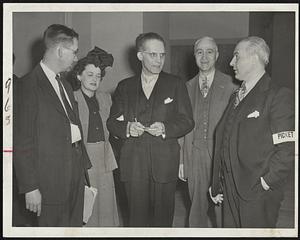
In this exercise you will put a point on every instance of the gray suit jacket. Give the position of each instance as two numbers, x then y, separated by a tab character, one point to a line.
222	88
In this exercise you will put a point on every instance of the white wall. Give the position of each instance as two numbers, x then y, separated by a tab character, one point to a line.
28	27
159	22
116	33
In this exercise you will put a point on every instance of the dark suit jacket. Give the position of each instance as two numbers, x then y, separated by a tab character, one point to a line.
44	140
253	153
176	115
222	89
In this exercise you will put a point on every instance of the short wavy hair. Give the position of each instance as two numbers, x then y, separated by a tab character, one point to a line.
258	46
97	57
57	33
142	38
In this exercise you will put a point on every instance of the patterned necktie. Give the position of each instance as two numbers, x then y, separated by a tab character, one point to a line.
204	86
240	94
70	112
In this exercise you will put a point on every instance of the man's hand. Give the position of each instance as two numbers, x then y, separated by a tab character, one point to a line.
217	199
136	129
156	129
181	173
33	201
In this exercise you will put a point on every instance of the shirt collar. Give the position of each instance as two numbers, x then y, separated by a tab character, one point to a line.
49	73
151	79
251	84
210	77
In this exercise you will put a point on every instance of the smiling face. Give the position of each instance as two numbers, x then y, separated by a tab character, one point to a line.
152	56
206	55
90	79
242	62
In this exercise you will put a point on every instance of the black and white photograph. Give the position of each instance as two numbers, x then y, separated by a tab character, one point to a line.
150	120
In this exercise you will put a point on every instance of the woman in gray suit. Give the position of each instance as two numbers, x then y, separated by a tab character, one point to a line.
94	106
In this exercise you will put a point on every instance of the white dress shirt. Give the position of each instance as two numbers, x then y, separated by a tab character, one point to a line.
251	84
75	132
148	83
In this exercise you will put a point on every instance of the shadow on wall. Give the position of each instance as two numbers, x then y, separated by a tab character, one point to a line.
134	63
37	52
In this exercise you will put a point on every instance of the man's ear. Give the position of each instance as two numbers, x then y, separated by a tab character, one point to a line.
59	51
217	55
139	56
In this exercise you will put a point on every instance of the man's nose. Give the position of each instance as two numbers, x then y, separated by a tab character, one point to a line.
158	58
231	62
204	56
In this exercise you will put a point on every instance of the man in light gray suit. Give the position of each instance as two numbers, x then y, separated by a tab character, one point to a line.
209	92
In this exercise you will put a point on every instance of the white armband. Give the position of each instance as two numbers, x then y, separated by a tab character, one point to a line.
286	136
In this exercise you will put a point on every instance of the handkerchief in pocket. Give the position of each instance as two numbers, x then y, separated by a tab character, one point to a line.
254	114
168	100
121	118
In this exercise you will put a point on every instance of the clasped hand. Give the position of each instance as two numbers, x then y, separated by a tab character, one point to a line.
136	129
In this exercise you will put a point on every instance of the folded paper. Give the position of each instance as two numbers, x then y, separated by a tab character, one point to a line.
90	194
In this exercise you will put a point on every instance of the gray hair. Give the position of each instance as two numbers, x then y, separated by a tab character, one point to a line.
258	46
206	38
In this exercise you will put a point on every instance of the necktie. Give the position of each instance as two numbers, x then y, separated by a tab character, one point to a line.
204	86
240	94
70	112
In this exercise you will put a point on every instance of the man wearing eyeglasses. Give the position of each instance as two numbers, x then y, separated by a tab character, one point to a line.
150	112
49	158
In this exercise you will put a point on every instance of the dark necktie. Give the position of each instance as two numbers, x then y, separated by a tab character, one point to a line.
70	112
204	86
240	94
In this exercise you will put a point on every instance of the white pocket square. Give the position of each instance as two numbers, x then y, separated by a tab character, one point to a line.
168	100
121	118
255	114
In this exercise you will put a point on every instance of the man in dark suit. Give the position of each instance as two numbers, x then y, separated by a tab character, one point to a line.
209	92
50	160
254	150
150	111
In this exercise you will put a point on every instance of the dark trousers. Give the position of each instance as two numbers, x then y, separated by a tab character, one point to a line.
150	203
259	213
69	214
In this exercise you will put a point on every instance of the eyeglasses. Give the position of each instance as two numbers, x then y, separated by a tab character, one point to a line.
73	51
155	55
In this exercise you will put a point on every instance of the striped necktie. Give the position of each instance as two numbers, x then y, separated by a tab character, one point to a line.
240	94
204	86
70	113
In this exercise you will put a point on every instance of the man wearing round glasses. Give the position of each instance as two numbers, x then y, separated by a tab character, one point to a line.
150	112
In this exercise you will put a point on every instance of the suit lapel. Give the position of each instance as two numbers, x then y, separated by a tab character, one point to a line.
83	113
193	88
253	100
218	89
48	90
